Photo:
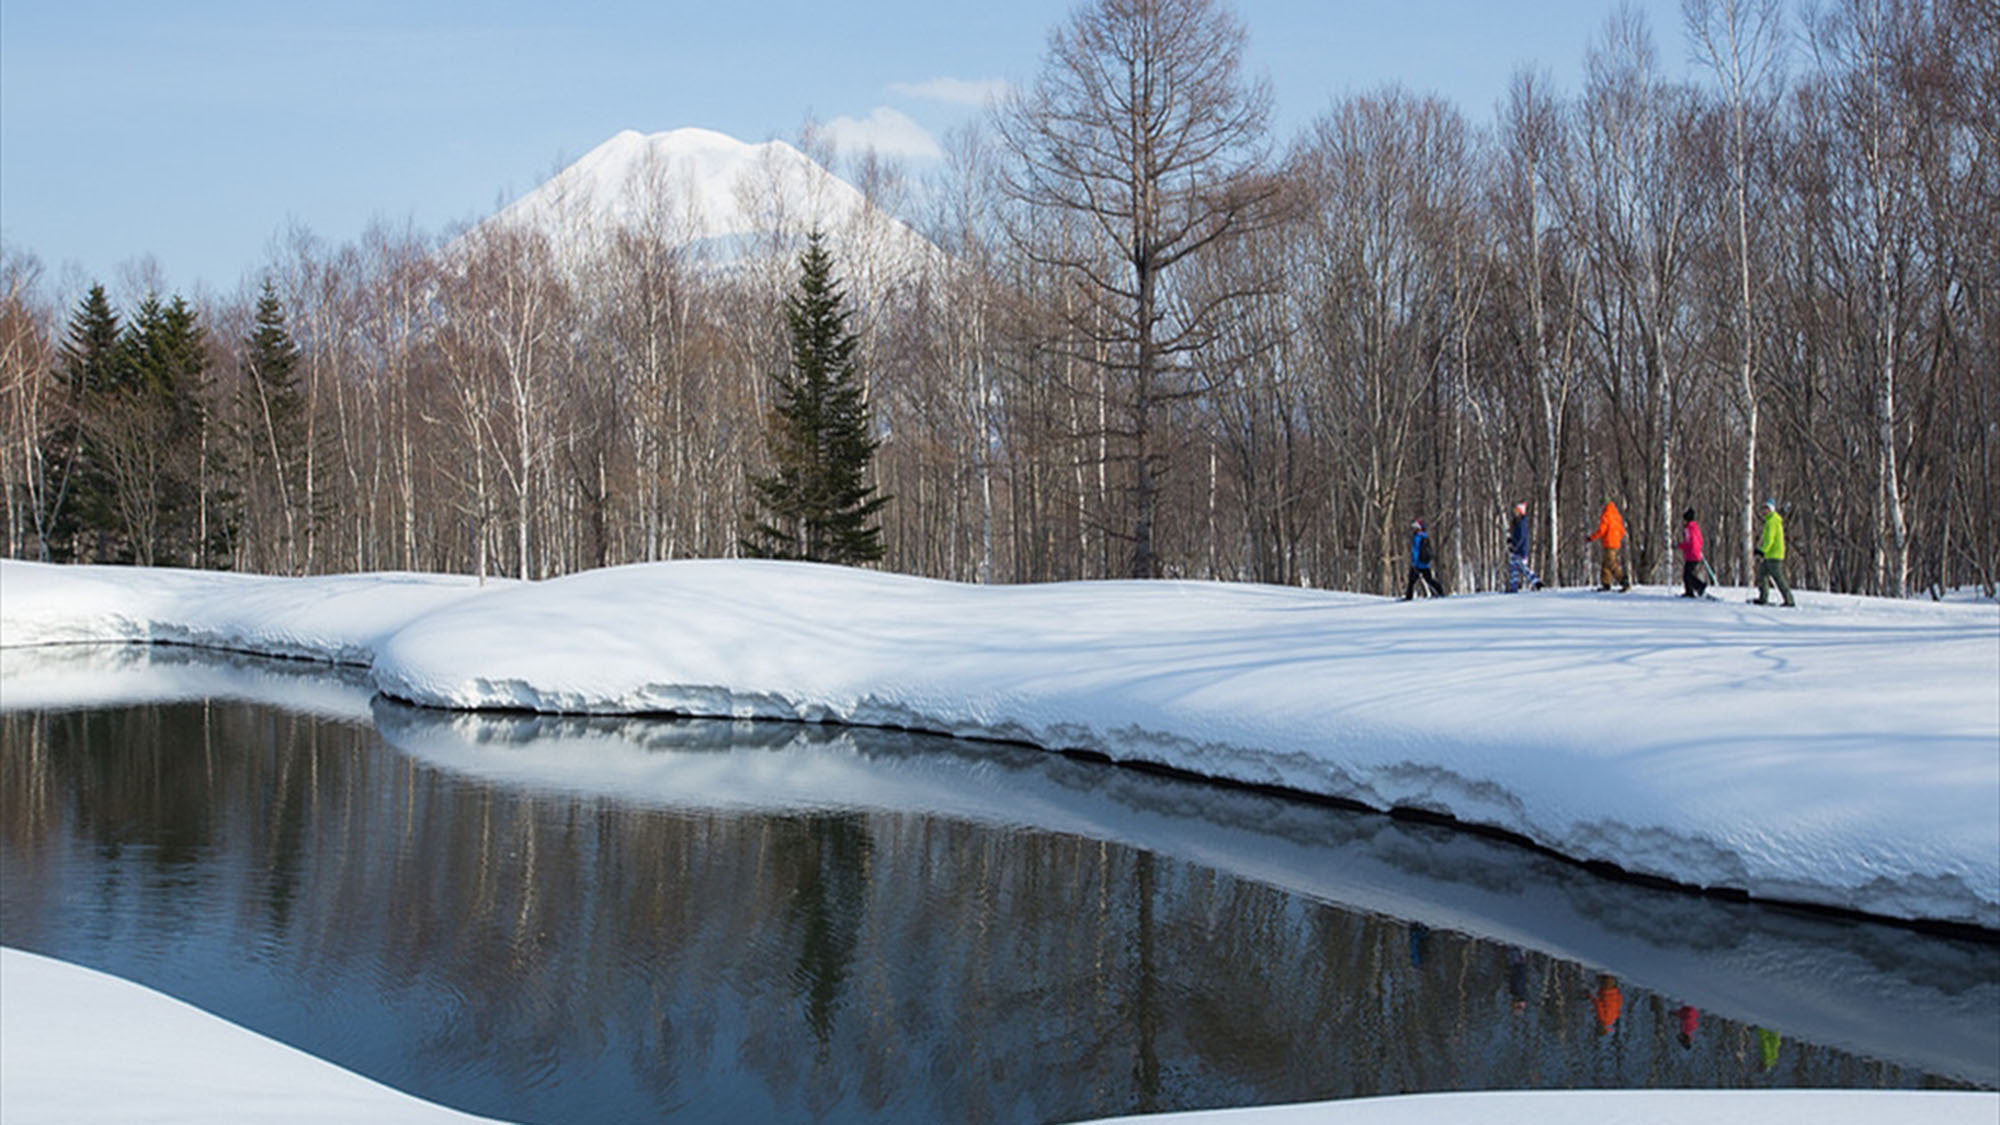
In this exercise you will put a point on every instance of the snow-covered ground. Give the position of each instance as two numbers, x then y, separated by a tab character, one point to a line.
79	1046
1846	752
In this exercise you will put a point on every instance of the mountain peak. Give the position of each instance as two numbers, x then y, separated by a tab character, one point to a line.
695	187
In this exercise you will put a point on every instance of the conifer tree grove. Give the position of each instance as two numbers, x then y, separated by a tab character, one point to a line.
816	504
144	426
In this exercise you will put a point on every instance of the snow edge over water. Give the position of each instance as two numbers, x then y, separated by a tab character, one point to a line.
1843	755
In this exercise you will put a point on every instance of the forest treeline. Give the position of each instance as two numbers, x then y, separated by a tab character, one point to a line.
1155	341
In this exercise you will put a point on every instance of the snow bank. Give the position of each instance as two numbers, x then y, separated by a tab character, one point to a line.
1845	753
66	677
341	618
78	1046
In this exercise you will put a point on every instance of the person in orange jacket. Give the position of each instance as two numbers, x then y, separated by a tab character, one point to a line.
1610	534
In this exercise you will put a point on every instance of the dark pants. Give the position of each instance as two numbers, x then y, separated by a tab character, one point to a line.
1769	571
1423	572
1691	583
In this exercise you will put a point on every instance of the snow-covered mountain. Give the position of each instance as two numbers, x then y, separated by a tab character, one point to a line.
720	197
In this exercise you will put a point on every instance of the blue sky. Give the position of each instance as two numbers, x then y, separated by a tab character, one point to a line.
197	131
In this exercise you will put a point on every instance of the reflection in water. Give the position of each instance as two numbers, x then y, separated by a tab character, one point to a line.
1027	946
1690	1021
1607	1001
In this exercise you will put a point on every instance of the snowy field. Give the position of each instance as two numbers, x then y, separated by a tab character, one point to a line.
1845	753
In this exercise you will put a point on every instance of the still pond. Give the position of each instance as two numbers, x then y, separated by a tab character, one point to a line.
563	920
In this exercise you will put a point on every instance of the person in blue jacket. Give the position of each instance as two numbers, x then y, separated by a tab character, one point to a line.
1420	563
1519	541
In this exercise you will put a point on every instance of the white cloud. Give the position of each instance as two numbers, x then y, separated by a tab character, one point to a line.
886	131
957	91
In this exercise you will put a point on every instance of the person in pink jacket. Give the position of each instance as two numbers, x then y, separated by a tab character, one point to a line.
1690	547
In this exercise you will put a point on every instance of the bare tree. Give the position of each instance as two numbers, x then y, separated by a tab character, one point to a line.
1380	173
30	401
1634	195
1142	124
1741	41
1535	152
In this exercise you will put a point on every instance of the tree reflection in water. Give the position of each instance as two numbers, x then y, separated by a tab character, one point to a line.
549	919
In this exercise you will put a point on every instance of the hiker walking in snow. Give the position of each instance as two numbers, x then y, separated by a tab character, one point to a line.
1610	535
1519	538
1420	563
1771	556
1690	548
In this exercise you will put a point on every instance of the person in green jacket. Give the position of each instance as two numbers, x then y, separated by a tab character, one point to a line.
1771	552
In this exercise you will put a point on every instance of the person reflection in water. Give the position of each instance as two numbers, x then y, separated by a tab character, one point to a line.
1608	1001
1517	978
1767	1044
1690	1020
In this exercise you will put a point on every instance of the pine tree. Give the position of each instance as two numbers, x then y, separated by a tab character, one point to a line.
146	430
271	438
817	505
90	364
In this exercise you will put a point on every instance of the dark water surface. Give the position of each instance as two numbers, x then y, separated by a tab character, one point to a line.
578	920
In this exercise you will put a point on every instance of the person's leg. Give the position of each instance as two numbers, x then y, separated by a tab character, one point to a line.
1437	587
1410	586
1687	578
1778	573
1607	558
1764	581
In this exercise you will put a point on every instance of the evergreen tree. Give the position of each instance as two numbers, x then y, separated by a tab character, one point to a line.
90	363
147	437
271	436
817	505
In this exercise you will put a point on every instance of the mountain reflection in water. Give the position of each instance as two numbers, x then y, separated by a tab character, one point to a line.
545	918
